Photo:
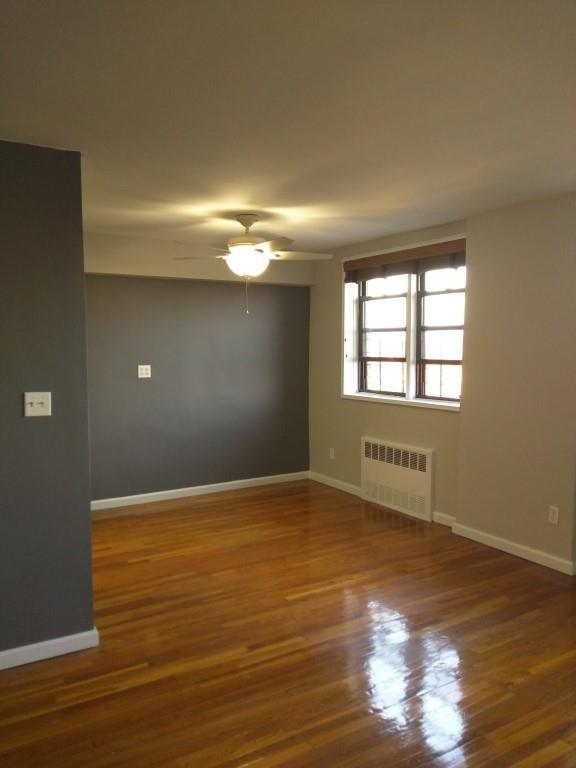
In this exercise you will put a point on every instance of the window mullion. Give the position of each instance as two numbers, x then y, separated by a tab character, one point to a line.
360	339
411	338
420	369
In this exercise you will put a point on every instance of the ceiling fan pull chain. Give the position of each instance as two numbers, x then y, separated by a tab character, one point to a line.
246	296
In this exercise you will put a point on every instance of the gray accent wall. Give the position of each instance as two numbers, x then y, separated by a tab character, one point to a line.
45	557
228	397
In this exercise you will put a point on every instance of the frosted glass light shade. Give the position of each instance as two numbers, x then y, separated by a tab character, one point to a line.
245	261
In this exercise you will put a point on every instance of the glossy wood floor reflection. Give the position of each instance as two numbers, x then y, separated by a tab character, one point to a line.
295	626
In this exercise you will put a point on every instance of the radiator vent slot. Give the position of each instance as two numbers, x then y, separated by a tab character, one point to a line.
400	457
398	476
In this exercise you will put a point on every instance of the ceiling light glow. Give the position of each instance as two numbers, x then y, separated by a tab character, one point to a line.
246	261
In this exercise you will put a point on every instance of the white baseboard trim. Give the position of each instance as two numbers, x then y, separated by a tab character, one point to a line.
59	646
505	545
520	550
440	517
355	490
512	548
196	490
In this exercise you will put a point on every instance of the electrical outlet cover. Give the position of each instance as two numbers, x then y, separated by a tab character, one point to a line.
37	404
145	371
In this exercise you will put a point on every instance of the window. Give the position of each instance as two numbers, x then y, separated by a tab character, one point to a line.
383	329
440	333
404	327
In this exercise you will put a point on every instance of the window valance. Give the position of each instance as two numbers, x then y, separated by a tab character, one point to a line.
408	261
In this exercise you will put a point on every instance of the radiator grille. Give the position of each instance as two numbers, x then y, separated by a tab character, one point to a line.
397	476
400	457
394	497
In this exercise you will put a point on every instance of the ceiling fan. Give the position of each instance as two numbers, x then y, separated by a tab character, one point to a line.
248	255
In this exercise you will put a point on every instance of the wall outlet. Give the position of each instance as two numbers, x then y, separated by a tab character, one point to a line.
145	371
331	454
553	515
37	404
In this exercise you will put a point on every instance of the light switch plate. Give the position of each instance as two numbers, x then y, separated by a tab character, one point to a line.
145	371
37	403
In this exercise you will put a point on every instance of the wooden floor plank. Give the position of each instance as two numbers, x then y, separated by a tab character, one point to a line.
295	626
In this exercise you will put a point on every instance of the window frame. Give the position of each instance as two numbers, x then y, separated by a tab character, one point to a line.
363	360
352	352
420	329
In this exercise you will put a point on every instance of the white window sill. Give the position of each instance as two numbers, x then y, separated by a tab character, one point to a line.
436	405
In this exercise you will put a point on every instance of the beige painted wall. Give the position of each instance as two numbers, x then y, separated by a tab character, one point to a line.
517	449
338	423
511	451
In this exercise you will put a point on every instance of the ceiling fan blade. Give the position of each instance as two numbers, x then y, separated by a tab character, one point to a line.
271	247
302	256
195	258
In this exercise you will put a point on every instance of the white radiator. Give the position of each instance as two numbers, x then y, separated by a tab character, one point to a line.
398	476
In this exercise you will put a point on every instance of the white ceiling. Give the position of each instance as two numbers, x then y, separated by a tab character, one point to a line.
338	120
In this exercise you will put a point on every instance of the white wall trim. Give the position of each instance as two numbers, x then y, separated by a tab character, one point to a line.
59	646
513	548
196	490
433	405
355	490
505	545
443	519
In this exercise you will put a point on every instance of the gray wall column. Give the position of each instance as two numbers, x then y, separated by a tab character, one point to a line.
45	555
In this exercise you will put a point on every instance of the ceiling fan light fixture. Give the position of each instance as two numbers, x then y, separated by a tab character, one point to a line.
246	261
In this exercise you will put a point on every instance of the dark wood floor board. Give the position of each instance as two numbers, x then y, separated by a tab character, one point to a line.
295	626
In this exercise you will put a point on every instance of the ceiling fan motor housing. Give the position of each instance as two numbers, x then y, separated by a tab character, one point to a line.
245	239
247	220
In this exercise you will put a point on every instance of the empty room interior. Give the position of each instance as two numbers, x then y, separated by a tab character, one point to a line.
288	378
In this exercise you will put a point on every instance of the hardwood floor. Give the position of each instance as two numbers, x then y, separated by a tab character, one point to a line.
295	626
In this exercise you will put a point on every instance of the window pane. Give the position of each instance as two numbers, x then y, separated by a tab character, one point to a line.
386	377
385	313
442	381
387	286
442	345
444	309
385	344
445	279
